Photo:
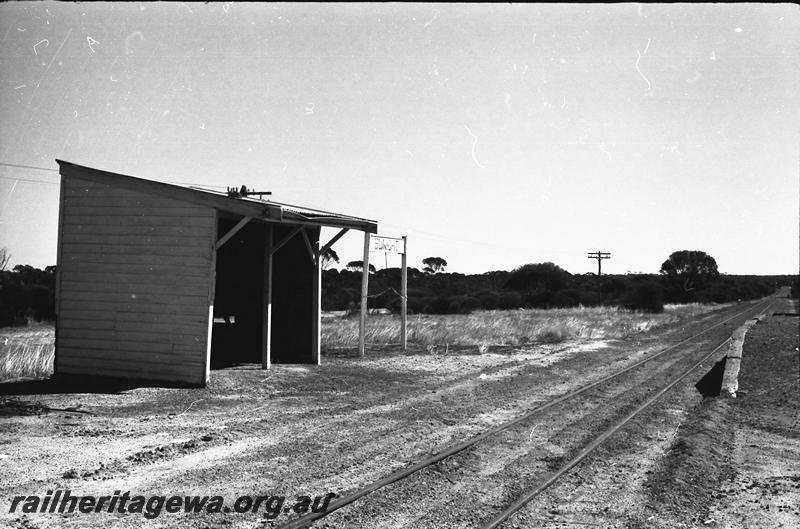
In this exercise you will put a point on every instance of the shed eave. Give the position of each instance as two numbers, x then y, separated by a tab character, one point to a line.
260	210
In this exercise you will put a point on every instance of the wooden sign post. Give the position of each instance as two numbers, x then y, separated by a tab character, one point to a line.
362	324
386	245
403	296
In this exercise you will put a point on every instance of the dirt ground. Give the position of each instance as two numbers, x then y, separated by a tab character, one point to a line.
313	430
736	463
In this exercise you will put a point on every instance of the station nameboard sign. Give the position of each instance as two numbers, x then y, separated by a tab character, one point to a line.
386	245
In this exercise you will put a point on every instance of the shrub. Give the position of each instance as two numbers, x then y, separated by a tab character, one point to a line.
646	297
566	298
489	300
463	305
714	294
539	276
590	298
27	293
438	305
509	300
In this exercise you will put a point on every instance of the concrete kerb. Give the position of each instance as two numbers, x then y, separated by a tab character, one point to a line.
733	360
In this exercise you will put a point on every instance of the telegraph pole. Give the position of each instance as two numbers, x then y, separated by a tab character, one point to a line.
599	256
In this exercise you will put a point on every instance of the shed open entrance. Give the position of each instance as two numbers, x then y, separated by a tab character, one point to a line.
258	258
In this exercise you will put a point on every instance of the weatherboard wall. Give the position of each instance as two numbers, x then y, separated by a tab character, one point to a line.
134	284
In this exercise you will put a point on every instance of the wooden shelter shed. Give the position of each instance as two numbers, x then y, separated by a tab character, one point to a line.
160	282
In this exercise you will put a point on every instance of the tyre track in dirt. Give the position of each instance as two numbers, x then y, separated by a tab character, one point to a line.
491	474
422	480
376	437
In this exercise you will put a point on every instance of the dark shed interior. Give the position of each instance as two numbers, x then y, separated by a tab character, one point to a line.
239	295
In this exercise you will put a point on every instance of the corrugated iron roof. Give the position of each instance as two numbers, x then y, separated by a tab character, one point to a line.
265	210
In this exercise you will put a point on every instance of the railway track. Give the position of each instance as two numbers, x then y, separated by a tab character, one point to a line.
626	392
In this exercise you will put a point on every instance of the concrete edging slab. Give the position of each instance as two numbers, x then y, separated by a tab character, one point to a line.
733	360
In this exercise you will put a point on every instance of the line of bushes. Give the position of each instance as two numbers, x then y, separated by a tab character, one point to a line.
542	285
27	293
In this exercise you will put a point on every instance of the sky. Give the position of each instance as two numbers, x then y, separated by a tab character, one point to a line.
492	135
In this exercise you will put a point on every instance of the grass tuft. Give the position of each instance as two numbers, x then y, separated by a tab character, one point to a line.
507	327
26	352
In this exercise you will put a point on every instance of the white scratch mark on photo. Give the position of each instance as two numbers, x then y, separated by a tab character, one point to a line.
91	41
8	197
474	143
602	147
639	58
435	16
20	86
46	44
49	65
671	149
139	34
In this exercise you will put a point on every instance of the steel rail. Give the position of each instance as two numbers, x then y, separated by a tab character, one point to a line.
307	519
591	447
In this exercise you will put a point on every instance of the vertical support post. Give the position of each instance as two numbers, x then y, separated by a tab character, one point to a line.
599	260
266	314
364	290
316	303
62	198
404	296
212	292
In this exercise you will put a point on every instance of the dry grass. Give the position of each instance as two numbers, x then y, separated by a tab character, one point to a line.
26	352
510	327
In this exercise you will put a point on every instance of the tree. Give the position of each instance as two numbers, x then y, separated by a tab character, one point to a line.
358	266
538	276
329	257
689	269
5	257
434	264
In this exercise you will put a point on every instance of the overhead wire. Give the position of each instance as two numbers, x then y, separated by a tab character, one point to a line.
28	167
424	234
28	180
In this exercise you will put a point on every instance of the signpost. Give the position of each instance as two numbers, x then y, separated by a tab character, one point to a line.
385	245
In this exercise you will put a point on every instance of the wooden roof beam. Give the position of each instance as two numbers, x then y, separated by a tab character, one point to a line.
332	241
286	239
308	246
225	238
